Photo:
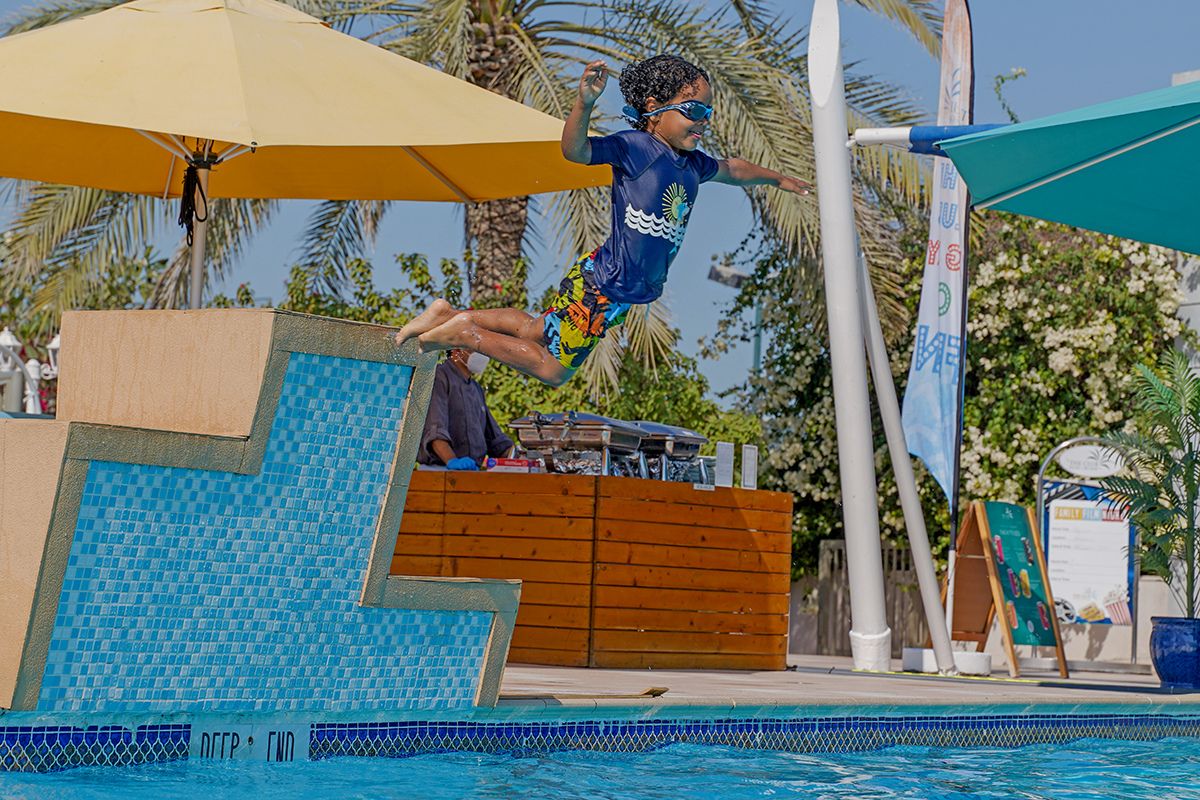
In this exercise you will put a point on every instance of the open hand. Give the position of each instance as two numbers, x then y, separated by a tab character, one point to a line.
794	185
595	76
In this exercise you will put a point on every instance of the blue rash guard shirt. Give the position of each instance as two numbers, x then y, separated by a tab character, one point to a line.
653	191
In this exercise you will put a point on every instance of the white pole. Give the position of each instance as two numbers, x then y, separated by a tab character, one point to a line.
199	233
906	484
951	563
870	637
33	372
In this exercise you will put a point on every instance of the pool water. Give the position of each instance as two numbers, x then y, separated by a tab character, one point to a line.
1082	770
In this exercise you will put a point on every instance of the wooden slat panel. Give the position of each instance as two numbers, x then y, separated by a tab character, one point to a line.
428	481
677	642
513	483
672	492
421	522
503	525
419	544
418	565
553	616
633	597
428	502
510	548
694	536
695	557
690	621
554	658
555	594
620	660
537	505
685	578
672	578
547	571
550	638
735	518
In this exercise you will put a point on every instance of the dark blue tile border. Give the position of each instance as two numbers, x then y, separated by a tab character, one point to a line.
54	747
50	748
826	734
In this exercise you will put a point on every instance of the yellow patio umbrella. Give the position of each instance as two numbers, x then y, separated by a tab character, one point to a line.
270	101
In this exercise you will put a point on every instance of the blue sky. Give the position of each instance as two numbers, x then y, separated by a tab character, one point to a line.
1076	52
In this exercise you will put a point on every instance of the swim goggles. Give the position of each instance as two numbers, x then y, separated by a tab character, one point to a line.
693	110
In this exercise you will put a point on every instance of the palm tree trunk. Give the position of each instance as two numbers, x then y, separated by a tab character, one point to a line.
495	230
495	233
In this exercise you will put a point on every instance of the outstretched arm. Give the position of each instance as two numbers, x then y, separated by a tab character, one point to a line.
575	144
739	172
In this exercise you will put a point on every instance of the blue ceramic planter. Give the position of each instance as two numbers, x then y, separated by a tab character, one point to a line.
1175	651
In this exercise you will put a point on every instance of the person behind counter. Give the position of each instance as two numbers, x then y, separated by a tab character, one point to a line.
459	430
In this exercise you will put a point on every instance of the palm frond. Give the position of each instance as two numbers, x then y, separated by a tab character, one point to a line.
54	12
437	32
231	224
338	231
76	234
55	223
647	335
921	18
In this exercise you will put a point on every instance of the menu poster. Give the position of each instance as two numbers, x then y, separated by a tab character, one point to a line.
1017	572
1027	607
1088	547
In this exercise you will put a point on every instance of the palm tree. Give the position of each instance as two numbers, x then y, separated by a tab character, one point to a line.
531	51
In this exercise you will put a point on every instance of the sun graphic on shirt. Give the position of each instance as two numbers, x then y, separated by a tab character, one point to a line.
675	203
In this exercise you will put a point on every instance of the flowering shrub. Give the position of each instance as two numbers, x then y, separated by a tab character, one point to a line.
1059	317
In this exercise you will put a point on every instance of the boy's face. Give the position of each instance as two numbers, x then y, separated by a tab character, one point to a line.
672	126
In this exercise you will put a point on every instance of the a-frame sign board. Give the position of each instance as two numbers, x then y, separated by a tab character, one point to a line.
1000	566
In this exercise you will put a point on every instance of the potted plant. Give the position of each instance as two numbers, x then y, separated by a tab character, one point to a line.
1160	488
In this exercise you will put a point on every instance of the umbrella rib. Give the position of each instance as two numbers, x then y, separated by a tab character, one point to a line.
1125	148
435	172
179	150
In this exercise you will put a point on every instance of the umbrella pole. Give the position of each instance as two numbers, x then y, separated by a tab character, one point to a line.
199	235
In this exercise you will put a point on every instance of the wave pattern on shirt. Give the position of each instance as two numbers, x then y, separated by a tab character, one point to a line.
654	225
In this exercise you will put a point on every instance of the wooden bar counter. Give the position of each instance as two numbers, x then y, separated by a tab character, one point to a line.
617	572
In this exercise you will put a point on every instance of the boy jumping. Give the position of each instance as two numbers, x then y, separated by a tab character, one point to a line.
657	172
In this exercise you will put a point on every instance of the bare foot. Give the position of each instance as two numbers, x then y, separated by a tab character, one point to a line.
458	331
439	311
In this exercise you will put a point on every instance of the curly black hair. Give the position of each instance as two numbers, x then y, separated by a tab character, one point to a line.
660	77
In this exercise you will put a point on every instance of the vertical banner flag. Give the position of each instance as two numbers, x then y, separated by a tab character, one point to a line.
931	402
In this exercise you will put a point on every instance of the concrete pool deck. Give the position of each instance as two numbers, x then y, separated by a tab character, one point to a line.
822	681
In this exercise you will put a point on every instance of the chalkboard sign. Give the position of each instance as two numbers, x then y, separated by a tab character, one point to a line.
1027	607
1001	571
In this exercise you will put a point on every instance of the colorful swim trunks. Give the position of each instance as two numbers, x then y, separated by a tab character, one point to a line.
579	315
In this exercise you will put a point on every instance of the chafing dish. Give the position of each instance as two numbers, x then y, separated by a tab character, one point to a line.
576	431
672	453
584	444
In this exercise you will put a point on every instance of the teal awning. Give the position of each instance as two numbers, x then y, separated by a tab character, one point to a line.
1129	167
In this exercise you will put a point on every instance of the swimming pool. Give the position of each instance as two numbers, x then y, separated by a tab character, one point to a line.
1080	770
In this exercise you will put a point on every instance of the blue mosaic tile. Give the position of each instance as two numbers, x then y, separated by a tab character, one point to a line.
258	609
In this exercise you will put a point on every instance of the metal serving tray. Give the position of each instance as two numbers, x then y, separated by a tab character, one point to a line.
675	442
576	431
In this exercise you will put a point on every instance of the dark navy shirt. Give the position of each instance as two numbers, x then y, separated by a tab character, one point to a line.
653	191
458	414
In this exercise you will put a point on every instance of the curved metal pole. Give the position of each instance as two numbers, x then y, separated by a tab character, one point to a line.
31	397
1133	555
1041	476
